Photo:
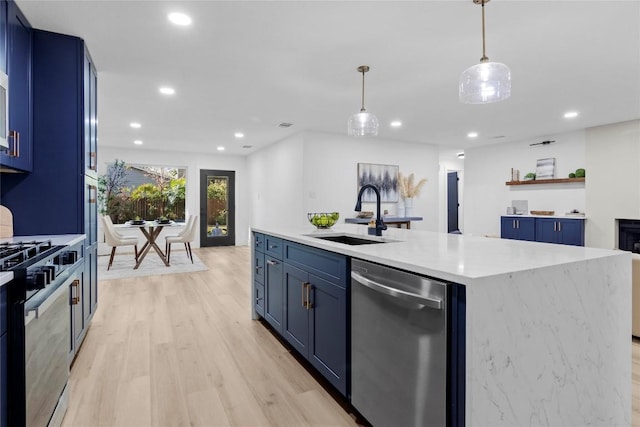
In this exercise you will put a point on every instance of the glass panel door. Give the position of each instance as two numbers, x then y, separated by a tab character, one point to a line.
217	208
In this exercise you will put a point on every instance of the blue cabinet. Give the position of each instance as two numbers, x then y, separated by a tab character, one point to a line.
3	35
519	228
302	293
19	157
560	230
274	292
564	231
316	318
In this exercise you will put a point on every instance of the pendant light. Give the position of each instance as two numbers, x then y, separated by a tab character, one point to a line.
487	81
363	123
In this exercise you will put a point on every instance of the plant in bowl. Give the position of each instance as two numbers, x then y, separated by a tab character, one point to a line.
163	220
323	219
137	221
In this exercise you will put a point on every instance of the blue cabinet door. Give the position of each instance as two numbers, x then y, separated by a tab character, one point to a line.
3	380
546	230
274	292
571	231
258	298
296	314
20	153
258	267
90	116
519	228
508	228
328	331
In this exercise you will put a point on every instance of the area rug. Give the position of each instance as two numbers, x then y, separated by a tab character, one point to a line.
152	265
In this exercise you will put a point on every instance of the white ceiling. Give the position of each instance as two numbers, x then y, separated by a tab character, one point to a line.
249	65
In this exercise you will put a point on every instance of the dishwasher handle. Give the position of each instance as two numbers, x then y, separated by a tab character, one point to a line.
397	293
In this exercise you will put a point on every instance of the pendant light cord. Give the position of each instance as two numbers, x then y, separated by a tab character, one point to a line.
362	110
484	54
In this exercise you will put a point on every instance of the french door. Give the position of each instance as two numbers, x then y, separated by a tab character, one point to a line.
217	208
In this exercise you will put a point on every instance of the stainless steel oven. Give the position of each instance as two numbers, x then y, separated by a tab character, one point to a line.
39	329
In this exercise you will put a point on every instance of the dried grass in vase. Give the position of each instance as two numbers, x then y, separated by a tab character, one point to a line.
407	187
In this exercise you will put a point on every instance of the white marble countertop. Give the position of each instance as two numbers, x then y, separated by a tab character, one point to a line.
56	239
457	258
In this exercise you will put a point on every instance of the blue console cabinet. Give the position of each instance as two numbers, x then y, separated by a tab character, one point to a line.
565	231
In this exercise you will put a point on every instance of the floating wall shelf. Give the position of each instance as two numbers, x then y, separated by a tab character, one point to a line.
546	181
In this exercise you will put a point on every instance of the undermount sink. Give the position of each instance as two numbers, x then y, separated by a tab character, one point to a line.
348	239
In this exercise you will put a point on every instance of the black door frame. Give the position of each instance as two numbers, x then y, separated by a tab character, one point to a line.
230	238
453	202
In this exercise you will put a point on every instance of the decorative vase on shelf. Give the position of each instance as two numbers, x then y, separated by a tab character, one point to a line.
400	213
408	206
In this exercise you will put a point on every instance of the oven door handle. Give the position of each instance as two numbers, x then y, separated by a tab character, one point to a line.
37	311
397	293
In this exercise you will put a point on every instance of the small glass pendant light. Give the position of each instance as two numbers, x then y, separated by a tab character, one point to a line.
487	81
363	123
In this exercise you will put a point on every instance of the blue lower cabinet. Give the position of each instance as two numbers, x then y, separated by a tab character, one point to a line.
258	298
3	380
296	319
561	231
519	228
274	292
315	323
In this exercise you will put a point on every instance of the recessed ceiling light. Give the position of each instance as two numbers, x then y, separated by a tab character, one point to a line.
396	124
165	90
239	135
138	142
247	146
220	148
180	19
570	114
461	155
135	125
472	135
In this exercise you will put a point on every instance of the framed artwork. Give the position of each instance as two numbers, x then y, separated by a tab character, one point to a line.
383	177
546	168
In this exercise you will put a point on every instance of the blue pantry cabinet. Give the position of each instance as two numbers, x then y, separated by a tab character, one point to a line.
18	42
60	195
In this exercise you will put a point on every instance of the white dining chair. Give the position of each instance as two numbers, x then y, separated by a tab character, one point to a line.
115	239
186	236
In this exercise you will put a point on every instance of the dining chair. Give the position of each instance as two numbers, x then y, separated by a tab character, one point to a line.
115	239
186	236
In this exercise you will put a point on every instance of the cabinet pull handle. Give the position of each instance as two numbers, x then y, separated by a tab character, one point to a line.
513	223
92	160
559	226
273	246
15	151
91	188
258	267
309	303
76	299
272	262
304	303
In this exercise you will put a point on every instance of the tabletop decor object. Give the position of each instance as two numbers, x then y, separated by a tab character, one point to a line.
324	219
408	190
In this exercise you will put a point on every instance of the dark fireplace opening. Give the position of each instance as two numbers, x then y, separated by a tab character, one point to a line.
629	235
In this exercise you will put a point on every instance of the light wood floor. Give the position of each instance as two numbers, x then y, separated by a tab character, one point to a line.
181	350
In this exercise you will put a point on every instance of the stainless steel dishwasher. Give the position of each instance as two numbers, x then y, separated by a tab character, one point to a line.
399	347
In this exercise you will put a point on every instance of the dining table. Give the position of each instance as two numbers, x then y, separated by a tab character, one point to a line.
151	230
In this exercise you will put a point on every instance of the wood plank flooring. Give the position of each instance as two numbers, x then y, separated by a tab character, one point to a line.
181	350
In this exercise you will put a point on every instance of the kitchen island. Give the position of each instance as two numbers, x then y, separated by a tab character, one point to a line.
548	327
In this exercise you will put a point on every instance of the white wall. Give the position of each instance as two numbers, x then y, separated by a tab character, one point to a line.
276	184
487	168
193	163
317	172
613	180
